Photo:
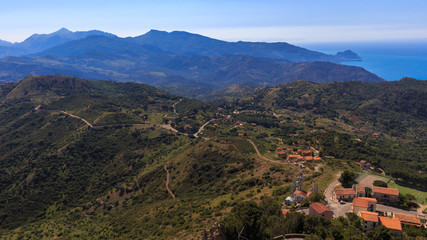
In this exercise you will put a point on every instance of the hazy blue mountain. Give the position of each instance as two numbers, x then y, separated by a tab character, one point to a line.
40	42
184	43
99	44
179	62
5	43
160	69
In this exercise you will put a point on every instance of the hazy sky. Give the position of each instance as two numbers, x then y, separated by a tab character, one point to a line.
295	21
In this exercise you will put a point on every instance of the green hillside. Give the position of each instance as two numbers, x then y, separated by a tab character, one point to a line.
107	160
388	118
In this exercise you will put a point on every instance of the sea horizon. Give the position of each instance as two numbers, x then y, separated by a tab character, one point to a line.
390	61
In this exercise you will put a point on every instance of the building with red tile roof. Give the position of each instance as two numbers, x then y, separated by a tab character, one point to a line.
285	212
281	154
408	219
319	209
393	224
308	158
364	204
360	191
317	158
369	220
385	195
307	153
300	196
346	194
295	158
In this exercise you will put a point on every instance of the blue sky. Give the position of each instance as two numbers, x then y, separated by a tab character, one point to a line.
302	21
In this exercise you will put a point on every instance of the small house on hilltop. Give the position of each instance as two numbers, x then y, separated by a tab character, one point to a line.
346	194
360	191
385	195
393	224
370	220
408	219
300	195
307	153
319	209
364	204
295	158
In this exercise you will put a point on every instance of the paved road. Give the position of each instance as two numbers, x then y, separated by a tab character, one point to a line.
337	208
340	209
329	190
384	208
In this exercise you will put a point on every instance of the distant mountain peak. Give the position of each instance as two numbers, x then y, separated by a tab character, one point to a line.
62	31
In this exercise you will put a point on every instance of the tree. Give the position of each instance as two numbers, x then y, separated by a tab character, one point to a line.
246	216
379	183
347	178
380	233
368	191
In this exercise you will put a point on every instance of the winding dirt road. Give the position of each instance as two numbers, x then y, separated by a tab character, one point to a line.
167	181
74	116
174	105
201	128
259	154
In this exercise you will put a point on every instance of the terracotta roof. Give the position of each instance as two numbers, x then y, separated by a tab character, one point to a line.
309	193
371	200
319	207
391	223
285	211
383	190
281	152
363	202
360	189
309	158
345	191
300	192
293	156
369	216
409	219
317	158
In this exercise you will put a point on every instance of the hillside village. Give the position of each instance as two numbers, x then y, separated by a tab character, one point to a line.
343	200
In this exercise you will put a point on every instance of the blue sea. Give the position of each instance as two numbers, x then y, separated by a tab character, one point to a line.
391	61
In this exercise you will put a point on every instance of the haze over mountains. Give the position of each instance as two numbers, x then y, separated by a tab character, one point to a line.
174	61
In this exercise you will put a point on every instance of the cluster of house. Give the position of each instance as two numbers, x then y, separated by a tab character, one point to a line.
298	156
365	207
382	194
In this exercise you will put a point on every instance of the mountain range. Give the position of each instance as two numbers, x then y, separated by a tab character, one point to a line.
174	61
